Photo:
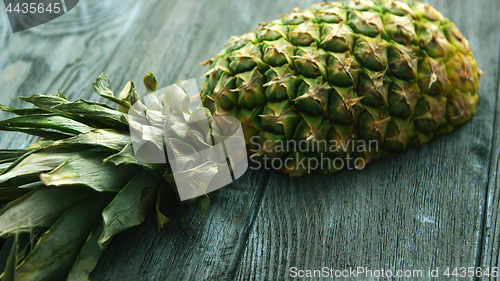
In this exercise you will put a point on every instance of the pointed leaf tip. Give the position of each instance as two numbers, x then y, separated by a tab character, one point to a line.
130	205
161	219
129	95
150	82
204	204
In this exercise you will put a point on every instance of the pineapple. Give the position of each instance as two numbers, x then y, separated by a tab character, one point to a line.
349	81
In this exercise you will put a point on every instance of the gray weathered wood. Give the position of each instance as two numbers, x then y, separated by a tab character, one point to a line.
62	55
437	205
491	230
490	251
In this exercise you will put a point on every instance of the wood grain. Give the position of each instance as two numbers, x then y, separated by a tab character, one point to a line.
490	251
64	57
490	256
437	205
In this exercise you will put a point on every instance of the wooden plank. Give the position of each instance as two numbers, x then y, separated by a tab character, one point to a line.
417	210
491	236
490	251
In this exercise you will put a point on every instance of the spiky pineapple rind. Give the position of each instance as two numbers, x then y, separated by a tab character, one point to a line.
394	72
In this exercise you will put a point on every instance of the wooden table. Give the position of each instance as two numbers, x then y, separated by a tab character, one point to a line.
434	206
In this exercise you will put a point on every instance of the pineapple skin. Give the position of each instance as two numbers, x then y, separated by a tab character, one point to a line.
350	81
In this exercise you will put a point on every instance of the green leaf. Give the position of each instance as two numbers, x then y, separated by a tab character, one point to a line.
11	193
150	82
58	248
39	132
195	181
17	161
186	157
10	268
43	101
7	161
127	157
129	94
93	111
130	205
5	165
45	121
22	111
60	95
87	168
11	153
41	143
106	93
40	208
143	133
106	138
204	204
88	256
27	169
161	219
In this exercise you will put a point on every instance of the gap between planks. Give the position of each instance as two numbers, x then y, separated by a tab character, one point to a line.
485	256
250	220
